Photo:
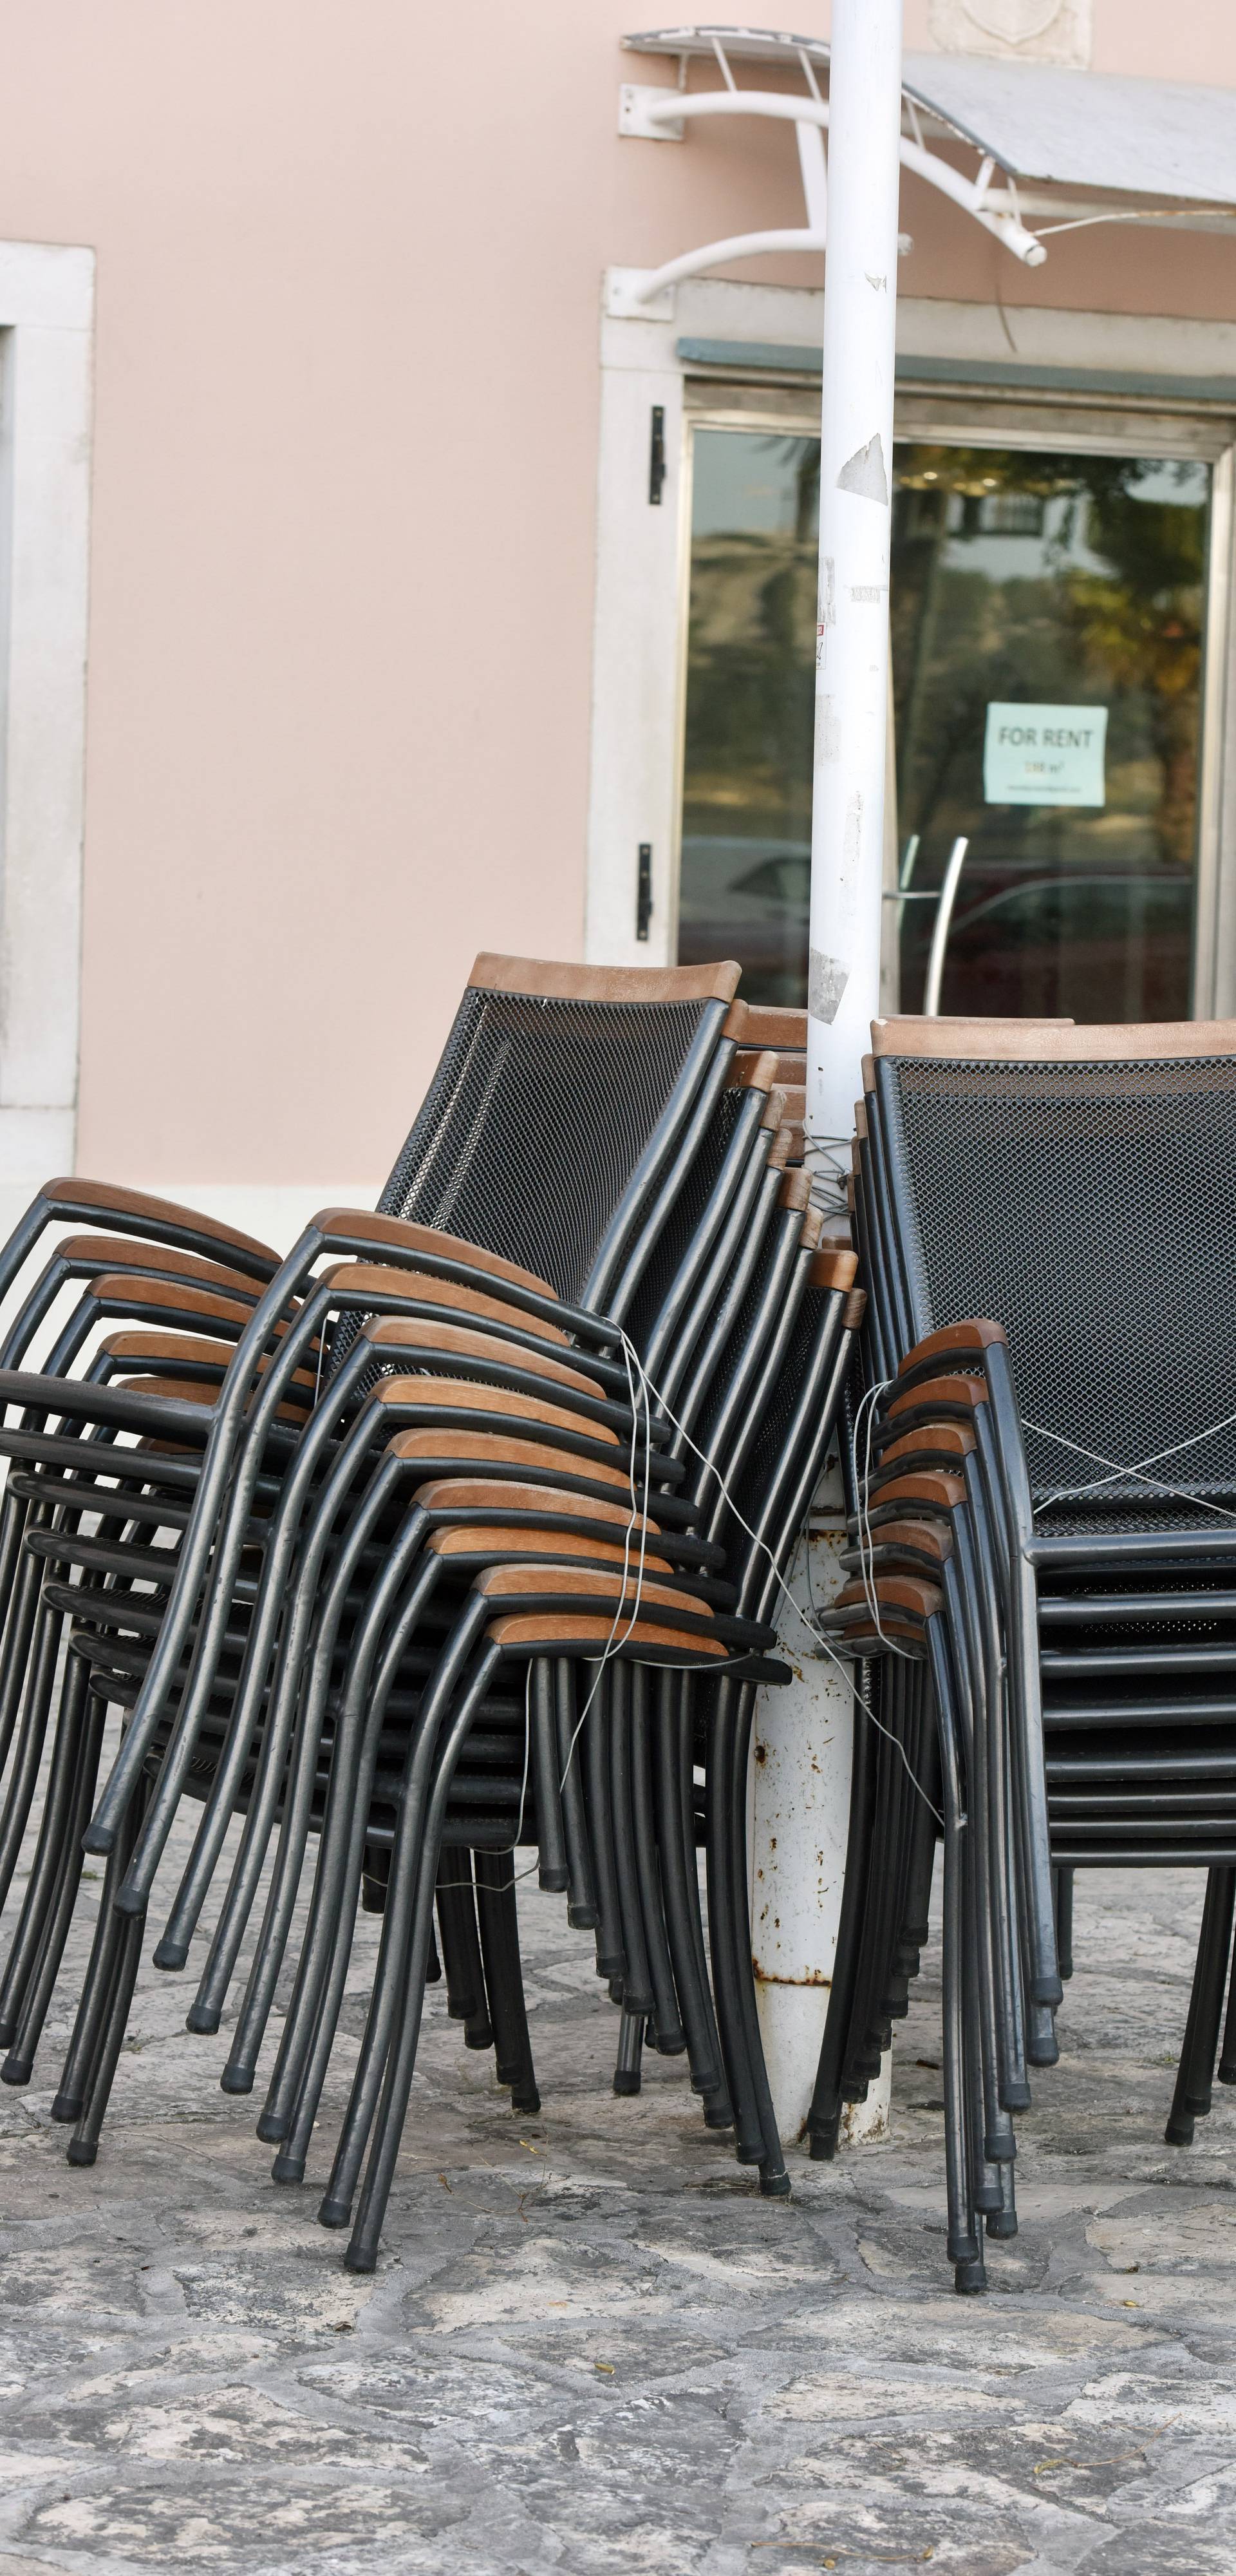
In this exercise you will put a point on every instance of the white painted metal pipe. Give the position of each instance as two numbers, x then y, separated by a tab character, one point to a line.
804	1736
856	459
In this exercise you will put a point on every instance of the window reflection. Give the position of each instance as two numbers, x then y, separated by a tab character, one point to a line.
1027	580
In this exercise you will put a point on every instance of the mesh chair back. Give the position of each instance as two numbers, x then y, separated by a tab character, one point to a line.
1085	1195
557	1088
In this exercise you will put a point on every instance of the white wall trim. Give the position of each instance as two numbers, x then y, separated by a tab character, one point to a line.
46	385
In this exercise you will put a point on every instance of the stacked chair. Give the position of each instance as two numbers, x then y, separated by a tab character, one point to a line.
1042	1592
457	1532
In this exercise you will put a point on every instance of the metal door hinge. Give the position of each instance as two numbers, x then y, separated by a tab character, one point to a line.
656	456
643	897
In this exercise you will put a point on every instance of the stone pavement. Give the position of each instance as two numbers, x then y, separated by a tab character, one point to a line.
591	2348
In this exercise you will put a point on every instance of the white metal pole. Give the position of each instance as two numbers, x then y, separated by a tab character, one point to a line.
856	456
801	1776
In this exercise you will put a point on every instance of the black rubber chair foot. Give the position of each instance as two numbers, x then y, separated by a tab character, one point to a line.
271	2127
97	1838
68	2107
171	1954
127	1902
1001	2222
359	2259
1016	2097
1179	2133
204	2019
16	2070
965	2249
288	2169
334	2213
1227	2074
617	1988
774	2186
673	2044
640	2006
823	2148
480	2036
81	2151
1198	2105
718	2115
525	2098
236	2079
969	2278
987	2196
746	2154
583	1918
612	1964
555	1882
626	2079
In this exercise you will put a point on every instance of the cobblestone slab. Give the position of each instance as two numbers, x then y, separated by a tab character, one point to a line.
590	2347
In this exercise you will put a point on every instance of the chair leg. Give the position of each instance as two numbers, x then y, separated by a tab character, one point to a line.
47	1867
583	1913
827	2100
498	1920
461	1950
774	2180
104	2008
723	1937
705	2068
1063	1883
553	1872
40	1987
611	1956
637	1983
1195	2075
627	2076
671	2038
718	2109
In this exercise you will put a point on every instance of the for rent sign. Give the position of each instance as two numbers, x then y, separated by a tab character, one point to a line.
1044	755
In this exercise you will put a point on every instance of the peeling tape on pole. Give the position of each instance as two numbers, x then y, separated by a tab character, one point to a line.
826	982
864	473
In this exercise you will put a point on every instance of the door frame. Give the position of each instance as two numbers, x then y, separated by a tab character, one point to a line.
643	561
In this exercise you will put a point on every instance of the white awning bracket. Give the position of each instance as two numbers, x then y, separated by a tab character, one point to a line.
1126	138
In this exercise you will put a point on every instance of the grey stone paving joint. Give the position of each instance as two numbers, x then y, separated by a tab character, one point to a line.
590	2347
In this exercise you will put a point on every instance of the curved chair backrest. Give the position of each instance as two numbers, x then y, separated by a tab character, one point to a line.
555	1108
1080	1184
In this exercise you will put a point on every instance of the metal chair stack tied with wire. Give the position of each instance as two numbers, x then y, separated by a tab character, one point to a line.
1043	1496
340	1569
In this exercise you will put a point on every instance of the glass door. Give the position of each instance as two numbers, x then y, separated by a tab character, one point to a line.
1047	621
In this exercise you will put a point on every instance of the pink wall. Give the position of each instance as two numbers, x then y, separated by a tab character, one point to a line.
345	453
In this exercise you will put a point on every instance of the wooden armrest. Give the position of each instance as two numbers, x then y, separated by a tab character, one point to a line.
473	1493
976	1333
456	1394
543	1545
950	1393
409	1332
491	1449
398	1233
122	1288
563	1632
70	1196
834	1266
113	1253
422	1288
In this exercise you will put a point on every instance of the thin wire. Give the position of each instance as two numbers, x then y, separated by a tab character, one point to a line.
820	1641
1135	1474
